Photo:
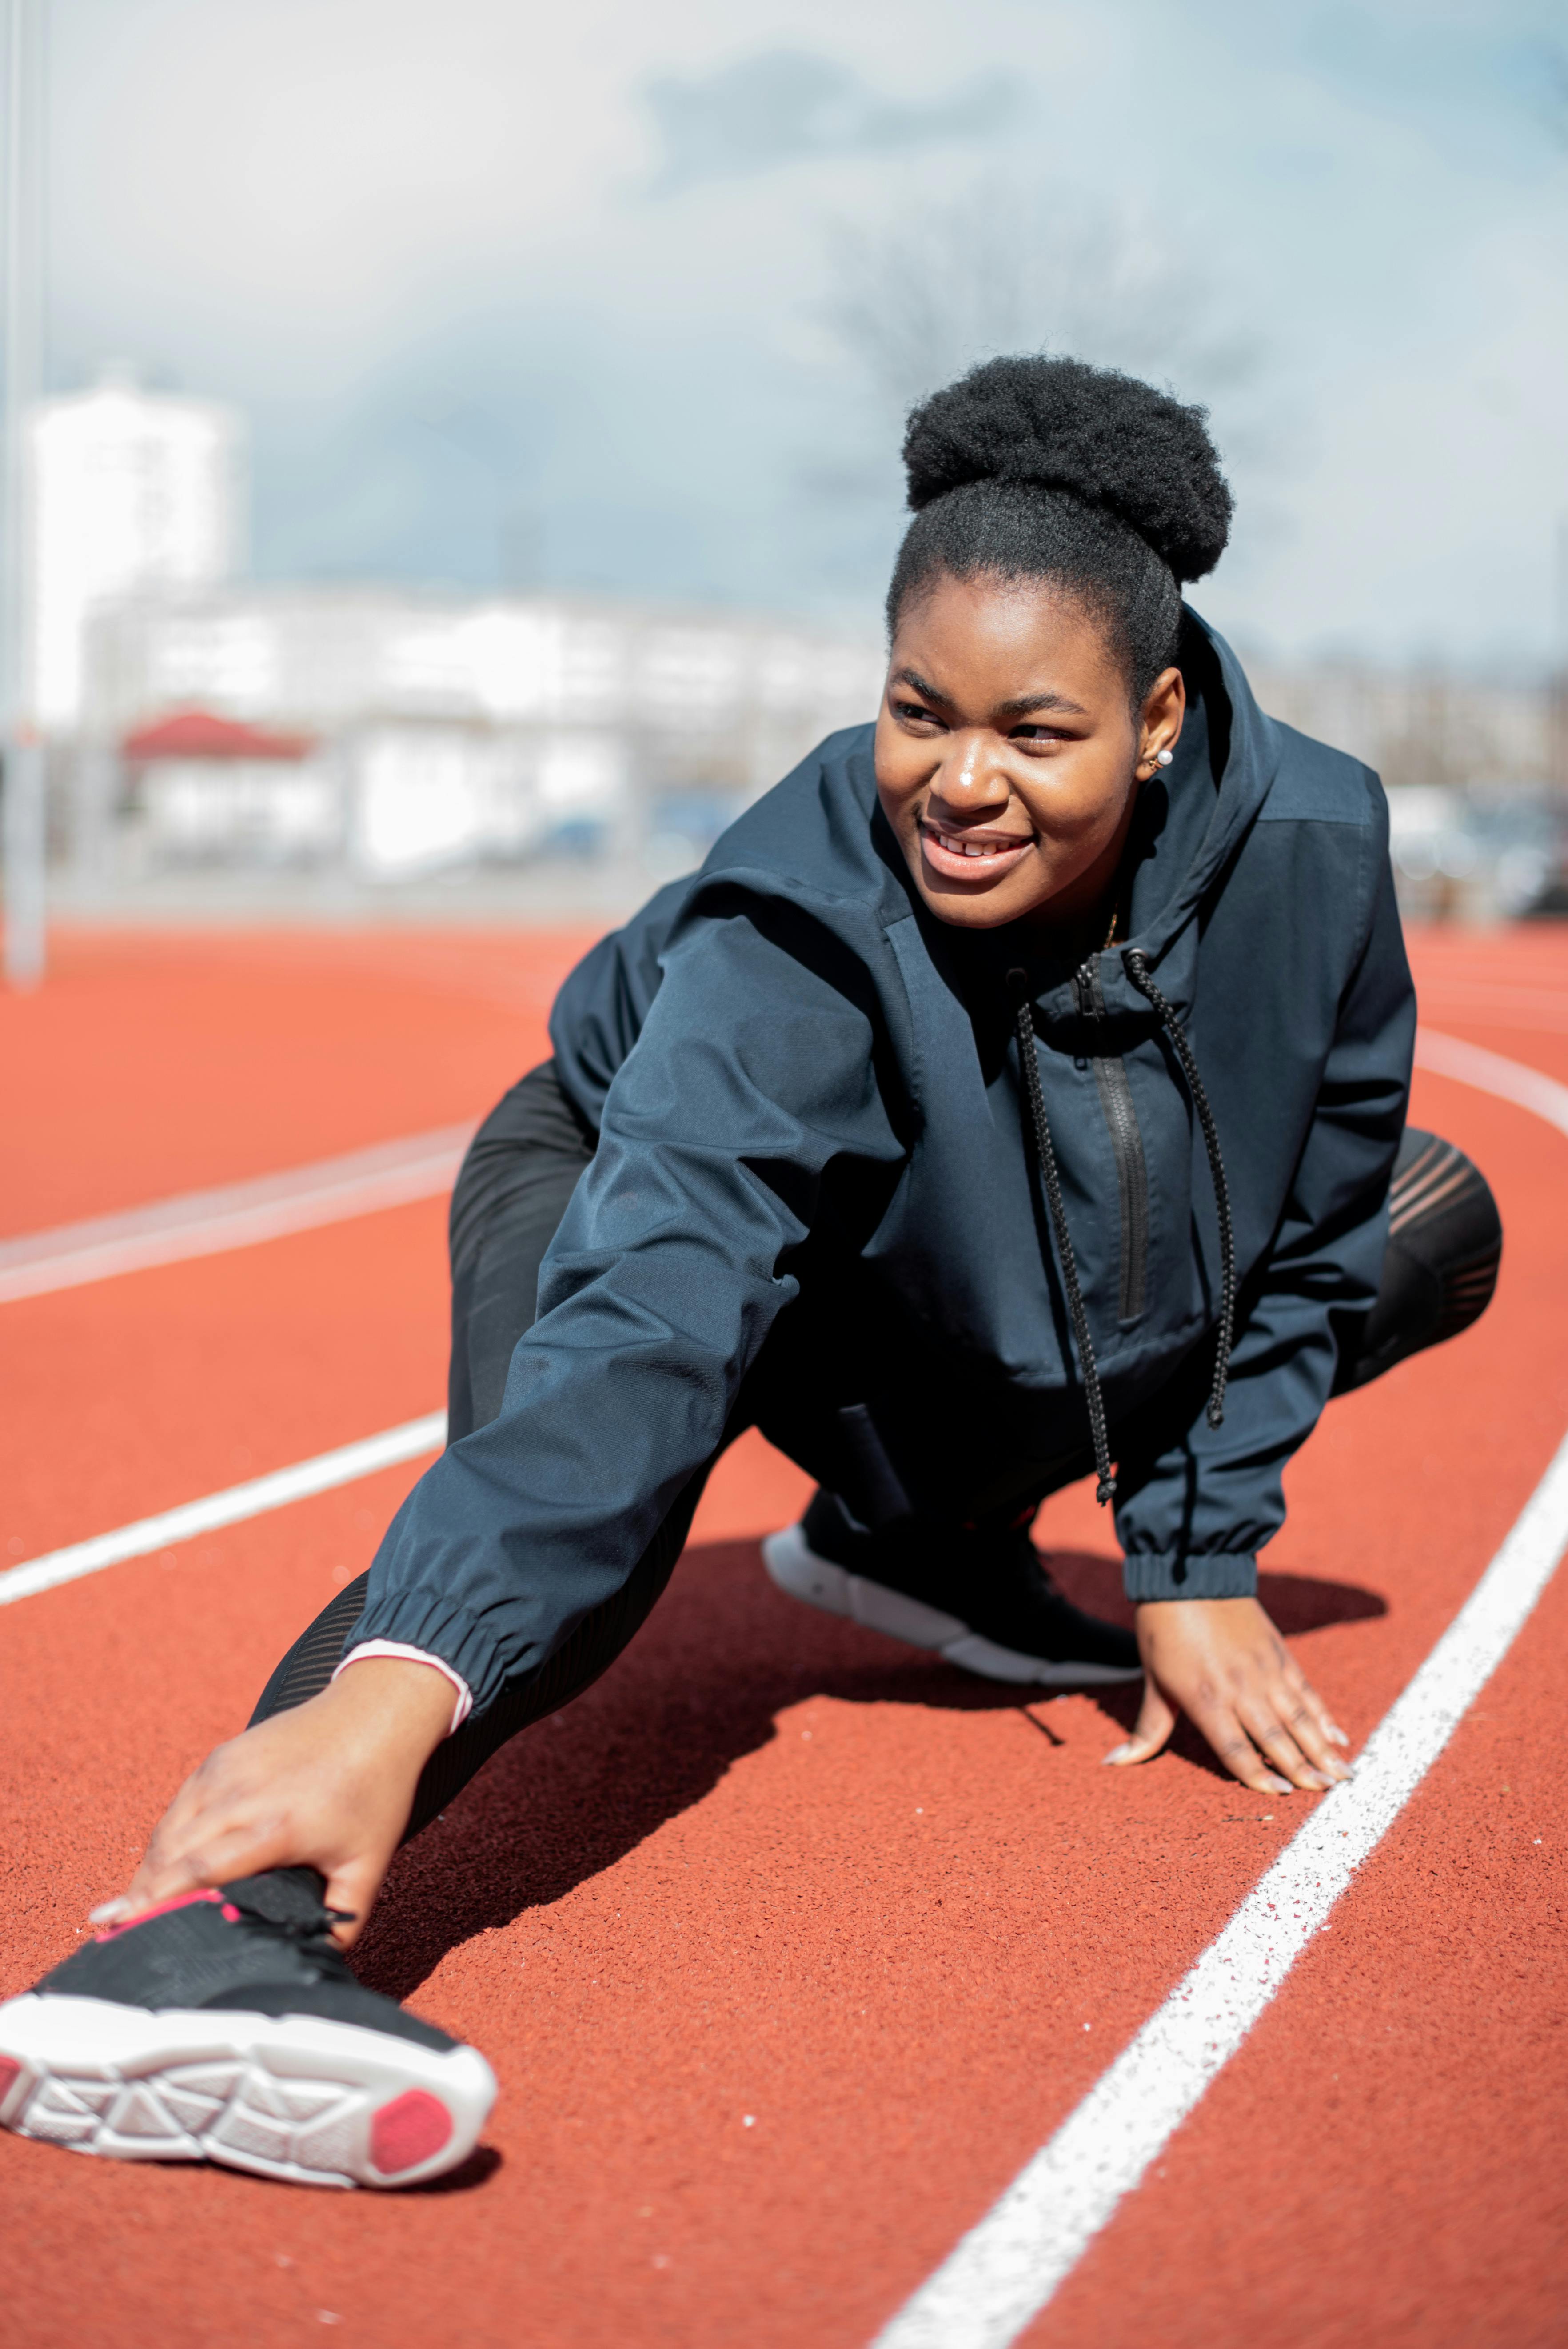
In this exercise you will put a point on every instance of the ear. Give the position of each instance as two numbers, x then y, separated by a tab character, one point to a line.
1159	721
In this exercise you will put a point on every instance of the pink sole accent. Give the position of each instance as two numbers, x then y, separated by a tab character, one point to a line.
9	2067
180	1901
407	2131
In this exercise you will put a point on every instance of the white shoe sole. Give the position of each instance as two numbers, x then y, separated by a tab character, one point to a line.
795	1567
296	2096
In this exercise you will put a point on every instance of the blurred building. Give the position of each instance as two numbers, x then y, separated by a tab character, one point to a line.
129	493
217	789
197	723
443	731
1477	793
1420	727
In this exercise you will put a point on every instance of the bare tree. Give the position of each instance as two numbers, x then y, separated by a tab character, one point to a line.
1008	267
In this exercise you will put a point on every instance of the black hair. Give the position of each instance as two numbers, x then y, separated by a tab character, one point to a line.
1047	469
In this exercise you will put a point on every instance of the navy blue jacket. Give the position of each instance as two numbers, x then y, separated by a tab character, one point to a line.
807	1094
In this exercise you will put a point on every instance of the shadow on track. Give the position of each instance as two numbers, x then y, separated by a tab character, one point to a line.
722	1655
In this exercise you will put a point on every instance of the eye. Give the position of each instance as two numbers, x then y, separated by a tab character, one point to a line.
915	712
1038	734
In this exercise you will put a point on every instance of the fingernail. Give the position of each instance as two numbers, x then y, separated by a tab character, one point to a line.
1338	1735
1281	1786
109	1912
1118	1754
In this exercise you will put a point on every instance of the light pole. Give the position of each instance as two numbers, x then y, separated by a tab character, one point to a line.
24	814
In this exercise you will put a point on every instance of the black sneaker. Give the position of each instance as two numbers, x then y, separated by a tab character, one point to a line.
982	1600
226	2026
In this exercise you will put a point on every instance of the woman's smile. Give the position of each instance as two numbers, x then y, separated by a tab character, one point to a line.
968	851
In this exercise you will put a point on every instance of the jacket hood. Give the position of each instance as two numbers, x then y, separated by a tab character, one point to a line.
1228	735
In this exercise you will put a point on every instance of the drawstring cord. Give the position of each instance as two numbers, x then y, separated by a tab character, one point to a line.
1136	964
1029	1063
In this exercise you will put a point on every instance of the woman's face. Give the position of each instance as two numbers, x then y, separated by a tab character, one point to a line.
1007	758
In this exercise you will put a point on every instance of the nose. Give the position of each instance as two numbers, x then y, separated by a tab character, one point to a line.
971	777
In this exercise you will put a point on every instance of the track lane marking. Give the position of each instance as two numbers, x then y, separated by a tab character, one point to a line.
238	1215
1489	1072
230	1507
1004	2271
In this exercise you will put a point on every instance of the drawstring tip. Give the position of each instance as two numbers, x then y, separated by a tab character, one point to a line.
1105	1490
1216	1415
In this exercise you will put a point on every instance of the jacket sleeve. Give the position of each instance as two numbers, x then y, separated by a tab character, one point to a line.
734	1128
1196	1503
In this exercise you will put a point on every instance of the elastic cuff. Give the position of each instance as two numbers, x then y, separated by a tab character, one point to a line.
447	1633
1179	1573
369	1649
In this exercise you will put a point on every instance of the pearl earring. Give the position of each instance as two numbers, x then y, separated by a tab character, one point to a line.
1163	758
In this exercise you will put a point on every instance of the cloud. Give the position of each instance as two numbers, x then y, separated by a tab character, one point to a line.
788	105
401	236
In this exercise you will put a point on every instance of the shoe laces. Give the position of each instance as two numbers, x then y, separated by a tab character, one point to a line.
308	1933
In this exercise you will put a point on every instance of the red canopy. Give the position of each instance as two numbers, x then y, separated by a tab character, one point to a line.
202	734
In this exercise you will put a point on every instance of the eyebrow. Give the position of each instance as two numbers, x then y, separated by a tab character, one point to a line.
1021	707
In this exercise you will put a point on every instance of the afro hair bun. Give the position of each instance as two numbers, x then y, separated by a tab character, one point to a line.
1115	444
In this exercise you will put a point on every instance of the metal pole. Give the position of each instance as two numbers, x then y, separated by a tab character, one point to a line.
25	812
1558	684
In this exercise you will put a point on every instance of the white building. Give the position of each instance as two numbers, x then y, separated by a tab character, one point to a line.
129	493
469	730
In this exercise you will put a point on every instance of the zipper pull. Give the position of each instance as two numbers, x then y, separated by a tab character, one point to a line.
1086	986
1084	989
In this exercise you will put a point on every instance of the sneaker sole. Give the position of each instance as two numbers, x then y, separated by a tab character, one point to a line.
796	1569
296	2097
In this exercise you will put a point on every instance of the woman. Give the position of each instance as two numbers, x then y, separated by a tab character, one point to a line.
1014	1092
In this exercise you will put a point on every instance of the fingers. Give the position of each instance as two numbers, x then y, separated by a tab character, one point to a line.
221	1824
1303	1726
1241	1755
173	1866
1323	1723
353	1888
1293	1711
246	1850
1271	1738
1156	1720
1274	1741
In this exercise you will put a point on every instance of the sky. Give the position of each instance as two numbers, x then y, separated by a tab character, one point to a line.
632	299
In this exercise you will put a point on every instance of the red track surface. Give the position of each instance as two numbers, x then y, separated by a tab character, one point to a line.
771	1866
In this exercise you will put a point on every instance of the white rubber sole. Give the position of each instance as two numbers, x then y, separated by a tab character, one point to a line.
795	1567
294	2097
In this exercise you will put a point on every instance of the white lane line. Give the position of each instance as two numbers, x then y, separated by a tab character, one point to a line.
1488	1073
228	1509
1005	2270
1003	2273
205	1223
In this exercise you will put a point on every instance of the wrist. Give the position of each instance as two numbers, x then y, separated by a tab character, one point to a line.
410	1704
1150	1609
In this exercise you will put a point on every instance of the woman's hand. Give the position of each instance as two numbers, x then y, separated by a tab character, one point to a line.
1222	1662
329	1785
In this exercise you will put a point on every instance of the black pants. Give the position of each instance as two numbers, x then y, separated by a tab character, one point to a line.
1445	1244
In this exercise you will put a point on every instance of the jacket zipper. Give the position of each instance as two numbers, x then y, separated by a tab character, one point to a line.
1126	1143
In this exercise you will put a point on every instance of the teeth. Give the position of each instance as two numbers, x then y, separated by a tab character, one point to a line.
968	847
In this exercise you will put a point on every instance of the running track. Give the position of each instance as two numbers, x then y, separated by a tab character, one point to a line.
789	1951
